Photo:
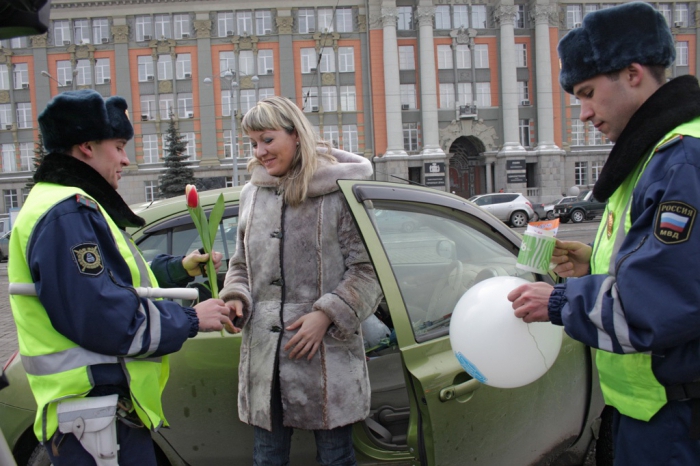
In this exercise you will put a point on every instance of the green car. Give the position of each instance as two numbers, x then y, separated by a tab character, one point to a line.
425	408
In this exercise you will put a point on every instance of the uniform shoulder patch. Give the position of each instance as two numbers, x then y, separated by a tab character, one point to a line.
674	222
88	259
86	201
670	142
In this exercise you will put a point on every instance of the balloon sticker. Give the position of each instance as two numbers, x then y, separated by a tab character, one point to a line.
494	346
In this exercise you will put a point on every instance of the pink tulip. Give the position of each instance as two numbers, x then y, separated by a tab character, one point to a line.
191	196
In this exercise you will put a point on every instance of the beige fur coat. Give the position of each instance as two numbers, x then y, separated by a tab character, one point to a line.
290	261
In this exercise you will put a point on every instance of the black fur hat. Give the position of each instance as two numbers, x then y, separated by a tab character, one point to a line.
75	117
613	38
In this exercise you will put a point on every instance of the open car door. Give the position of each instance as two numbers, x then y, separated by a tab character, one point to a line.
450	418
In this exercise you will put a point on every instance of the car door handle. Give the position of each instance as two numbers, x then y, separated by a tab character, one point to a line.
455	391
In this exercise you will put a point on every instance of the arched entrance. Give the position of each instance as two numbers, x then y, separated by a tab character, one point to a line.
465	169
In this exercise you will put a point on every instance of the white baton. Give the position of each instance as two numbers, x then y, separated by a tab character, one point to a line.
28	289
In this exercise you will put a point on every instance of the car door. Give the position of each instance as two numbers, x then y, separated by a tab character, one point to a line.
455	419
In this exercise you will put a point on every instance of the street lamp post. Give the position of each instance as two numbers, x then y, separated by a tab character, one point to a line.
230	76
48	75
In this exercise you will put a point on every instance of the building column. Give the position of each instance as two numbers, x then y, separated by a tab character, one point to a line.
202	27
543	66
489	187
392	83
505	14
428	86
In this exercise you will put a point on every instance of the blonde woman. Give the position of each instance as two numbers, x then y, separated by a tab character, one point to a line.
301	283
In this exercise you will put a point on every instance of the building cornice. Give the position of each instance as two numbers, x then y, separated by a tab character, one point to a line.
101	3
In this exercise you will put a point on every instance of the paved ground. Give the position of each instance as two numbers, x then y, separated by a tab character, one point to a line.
8	332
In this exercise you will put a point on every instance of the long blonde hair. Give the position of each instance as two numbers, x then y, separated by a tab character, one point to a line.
280	113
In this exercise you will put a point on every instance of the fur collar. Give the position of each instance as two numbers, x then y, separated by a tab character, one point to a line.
68	171
674	103
349	167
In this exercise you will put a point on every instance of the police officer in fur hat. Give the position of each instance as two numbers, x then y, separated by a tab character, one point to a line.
637	298
91	347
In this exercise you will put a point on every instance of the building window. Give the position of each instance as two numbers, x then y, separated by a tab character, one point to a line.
327	64
346	59
350	139
227	146
464	93
483	95
595	137
442	17
21	75
577	132
26	156
182	26
681	15
596	167
191	149
325	19
24	115
4	77
19	43
151	189
410	137
481	56
265	62
520	16
167	106
407	59
589	8
523	93
447	96
573	100
64	73
521	55
183	66
348	99
464	57
263	22
329	98
405	18
148	107
150	148
9	164
665	10
408	96
144	28
573	16
246	63
682	53
461	16
162	27
224	23
331	134
227	103
227	61
84	75
479	16
185	105
310	95
307	20
244	22
61	32
444	57
308	61
5	115
524	131
10	195
102	71
100	30
81	31
581	173
145	64
343	19
247	100
165	67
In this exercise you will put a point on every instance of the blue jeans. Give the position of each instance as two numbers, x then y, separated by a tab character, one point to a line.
271	448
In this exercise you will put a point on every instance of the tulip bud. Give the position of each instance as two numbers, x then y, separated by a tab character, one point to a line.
191	196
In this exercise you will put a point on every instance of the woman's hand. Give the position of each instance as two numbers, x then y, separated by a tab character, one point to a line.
308	339
235	308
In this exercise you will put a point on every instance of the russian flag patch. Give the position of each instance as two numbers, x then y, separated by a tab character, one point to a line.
674	222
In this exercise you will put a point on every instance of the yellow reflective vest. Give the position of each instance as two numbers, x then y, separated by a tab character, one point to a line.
56	367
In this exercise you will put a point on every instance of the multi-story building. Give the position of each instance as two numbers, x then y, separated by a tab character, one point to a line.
454	94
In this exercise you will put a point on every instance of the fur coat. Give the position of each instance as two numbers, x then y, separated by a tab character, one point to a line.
290	261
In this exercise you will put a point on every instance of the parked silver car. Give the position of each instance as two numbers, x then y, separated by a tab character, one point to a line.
512	208
549	208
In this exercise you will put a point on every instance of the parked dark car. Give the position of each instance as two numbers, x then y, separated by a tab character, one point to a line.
5	246
585	207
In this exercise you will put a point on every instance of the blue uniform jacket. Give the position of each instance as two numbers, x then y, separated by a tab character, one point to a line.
99	312
656	293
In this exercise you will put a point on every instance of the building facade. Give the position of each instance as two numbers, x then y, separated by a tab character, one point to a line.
454	94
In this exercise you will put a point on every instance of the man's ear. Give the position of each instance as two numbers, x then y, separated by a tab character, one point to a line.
634	74
85	149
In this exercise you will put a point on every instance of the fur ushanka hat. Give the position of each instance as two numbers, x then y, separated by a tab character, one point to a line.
613	38
75	117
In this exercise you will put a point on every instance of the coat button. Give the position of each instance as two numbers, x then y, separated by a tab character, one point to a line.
276	234
276	329
278	282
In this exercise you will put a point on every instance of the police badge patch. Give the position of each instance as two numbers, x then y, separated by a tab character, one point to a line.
88	259
674	222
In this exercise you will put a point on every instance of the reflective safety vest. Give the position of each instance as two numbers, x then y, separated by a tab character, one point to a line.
627	380
56	367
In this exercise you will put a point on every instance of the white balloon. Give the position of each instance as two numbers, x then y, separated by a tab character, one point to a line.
494	346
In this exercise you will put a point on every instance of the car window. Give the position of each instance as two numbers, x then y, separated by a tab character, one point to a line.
483	200
439	260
